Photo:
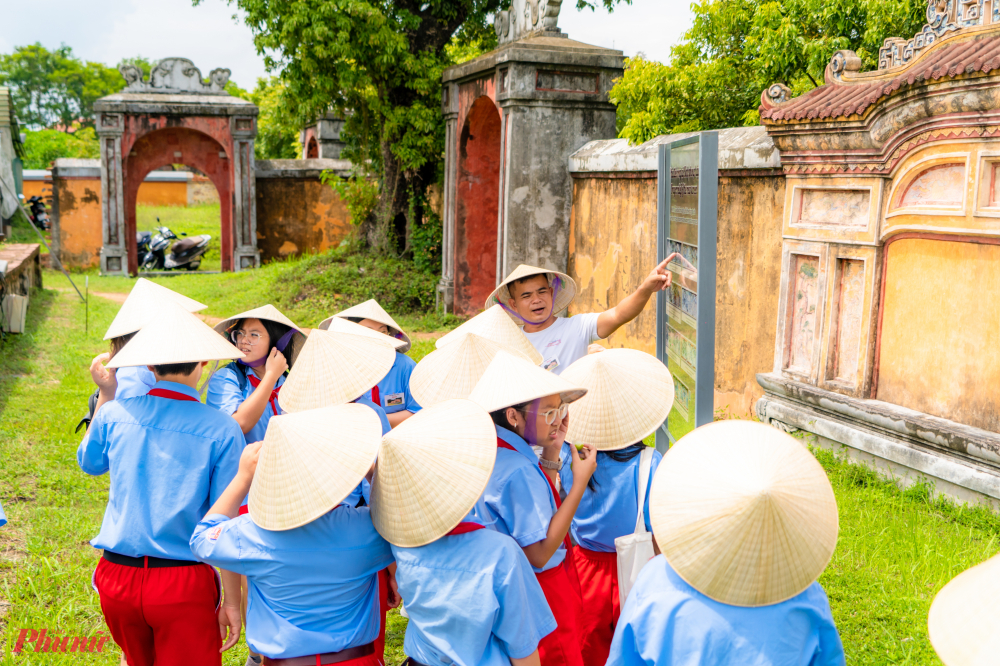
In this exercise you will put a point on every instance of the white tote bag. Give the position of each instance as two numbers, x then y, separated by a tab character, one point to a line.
634	550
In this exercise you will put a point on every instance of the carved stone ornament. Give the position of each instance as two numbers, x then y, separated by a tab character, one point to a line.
943	16
778	93
173	76
526	17
844	61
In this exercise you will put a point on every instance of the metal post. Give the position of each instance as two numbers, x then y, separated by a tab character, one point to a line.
708	222
662	222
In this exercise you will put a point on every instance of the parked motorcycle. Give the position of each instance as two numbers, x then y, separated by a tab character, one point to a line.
39	215
185	254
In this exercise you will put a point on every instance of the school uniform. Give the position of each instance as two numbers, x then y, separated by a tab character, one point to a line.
3	517
364	489
170	457
522	500
666	622
605	513
392	393
313	590
472	599
133	381
225	394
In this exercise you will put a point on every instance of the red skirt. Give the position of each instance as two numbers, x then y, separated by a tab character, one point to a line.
383	608
562	646
598	574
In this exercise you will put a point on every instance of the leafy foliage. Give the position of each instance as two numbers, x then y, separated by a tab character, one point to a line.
277	130
737	48
53	88
43	146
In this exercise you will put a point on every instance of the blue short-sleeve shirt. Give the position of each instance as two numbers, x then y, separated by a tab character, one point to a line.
394	388
472	599
169	461
225	395
133	381
364	489
609	511
312	589
3	517
518	496
666	622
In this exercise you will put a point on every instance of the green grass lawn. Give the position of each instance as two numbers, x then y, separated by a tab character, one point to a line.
896	548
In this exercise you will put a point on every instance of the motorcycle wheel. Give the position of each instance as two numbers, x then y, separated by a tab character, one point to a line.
193	266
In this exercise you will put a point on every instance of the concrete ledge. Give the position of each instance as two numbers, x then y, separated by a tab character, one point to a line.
302	168
539	49
71	167
739	148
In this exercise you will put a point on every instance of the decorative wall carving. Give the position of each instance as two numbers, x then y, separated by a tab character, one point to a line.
943	16
173	76
834	208
942	185
526	17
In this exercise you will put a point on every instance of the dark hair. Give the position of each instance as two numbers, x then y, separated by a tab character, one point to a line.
357	320
620	455
119	342
500	416
274	333
175	368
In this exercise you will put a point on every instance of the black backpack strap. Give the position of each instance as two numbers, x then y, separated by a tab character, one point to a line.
91	407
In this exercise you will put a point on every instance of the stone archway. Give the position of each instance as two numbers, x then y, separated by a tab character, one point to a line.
175	116
478	198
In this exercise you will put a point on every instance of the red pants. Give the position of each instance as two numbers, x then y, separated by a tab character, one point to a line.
383	606
562	646
162	616
599	583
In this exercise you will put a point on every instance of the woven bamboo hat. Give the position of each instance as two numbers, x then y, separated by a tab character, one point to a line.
270	313
629	395
336	324
743	513
310	462
334	368
496	325
451	372
511	380
431	470
963	621
174	336
370	309
145	303
565	284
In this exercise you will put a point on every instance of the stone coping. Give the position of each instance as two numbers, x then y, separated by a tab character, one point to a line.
176	104
15	254
303	168
739	148
538	49
902	423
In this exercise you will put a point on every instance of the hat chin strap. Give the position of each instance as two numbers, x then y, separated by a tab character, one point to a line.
282	343
556	284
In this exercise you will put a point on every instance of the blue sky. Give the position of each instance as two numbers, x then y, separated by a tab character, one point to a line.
109	30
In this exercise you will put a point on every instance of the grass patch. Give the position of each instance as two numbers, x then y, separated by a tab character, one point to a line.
193	220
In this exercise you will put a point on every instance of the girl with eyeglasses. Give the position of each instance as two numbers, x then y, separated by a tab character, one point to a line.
529	407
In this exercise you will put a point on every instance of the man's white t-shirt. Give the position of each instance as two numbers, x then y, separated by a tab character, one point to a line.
565	341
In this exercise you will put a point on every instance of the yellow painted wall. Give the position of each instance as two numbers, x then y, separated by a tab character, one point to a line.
160	193
296	215
80	235
38	188
941	330
613	247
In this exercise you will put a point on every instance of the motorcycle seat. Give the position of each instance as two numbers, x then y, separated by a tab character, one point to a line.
185	245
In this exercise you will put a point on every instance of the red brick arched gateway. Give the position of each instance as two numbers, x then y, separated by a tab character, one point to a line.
175	117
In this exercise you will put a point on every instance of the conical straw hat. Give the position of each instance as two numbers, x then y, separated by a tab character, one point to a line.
964	621
511	380
629	395
334	368
496	325
337	325
565	295
145	303
743	513
370	309
270	313
452	372
431	470
310	462
174	336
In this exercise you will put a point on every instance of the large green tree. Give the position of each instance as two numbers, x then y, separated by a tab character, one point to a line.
54	88
737	48
379	63
277	129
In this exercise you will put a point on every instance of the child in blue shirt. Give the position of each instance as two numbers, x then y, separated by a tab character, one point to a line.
169	458
471	597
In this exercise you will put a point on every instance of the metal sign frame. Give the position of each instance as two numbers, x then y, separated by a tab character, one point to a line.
708	212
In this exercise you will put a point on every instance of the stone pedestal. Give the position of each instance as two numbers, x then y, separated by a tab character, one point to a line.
514	116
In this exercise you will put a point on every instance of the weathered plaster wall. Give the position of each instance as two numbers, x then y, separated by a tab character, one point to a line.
613	248
296	212
77	205
163	193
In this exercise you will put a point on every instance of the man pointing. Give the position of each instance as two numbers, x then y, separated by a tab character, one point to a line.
532	296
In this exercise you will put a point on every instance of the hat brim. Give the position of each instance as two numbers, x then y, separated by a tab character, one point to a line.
566	294
402	344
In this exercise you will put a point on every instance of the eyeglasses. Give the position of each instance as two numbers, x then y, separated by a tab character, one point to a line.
252	338
553	415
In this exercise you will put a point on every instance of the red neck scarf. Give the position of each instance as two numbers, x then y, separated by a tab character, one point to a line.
464	528
255	382
173	395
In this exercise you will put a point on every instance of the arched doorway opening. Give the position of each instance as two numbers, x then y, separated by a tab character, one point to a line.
179	145
185	201
312	149
477	203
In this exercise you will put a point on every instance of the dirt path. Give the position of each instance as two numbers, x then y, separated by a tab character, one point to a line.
120	300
